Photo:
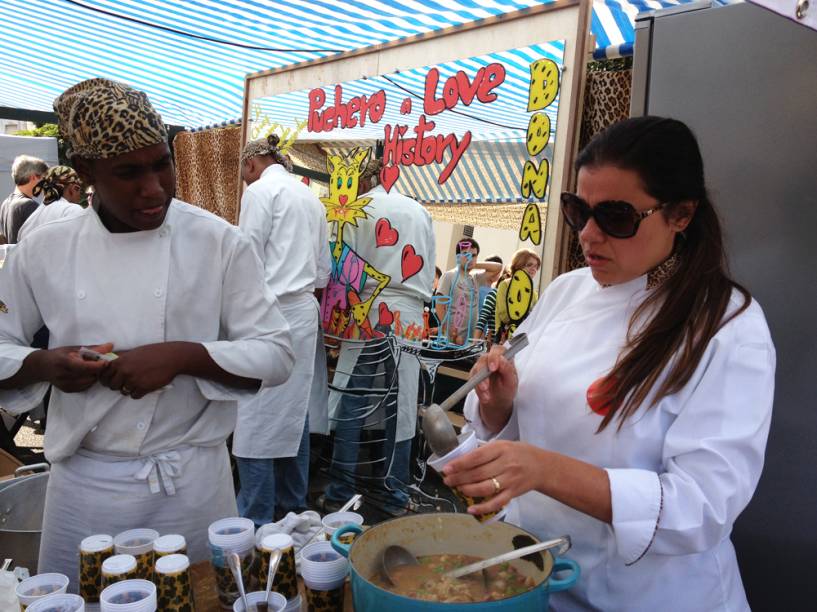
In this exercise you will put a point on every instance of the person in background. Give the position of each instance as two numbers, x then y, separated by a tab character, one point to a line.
636	419
26	171
139	439
403	296
286	225
487	279
487	314
61	189
460	286
529	262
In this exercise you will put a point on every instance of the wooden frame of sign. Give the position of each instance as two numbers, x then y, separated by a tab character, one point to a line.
566	20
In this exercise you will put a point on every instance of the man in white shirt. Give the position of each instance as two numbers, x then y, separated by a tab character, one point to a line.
397	239
135	440
286	225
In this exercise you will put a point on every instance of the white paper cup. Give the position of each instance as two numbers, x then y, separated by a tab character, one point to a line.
139	543
277	602
232	534
322	566
129	596
467	443
37	587
293	605
336	520
170	544
60	602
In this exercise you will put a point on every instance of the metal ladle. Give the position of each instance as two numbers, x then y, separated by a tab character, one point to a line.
437	427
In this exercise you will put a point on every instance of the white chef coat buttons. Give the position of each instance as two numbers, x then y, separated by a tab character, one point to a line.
140	426
157	293
81	294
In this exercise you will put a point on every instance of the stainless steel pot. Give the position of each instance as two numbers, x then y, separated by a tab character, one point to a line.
21	516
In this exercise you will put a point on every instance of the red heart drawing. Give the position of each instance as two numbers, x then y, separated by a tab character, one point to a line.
385	234
343	199
385	316
388	176
412	262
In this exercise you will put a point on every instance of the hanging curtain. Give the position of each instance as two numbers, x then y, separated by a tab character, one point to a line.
207	166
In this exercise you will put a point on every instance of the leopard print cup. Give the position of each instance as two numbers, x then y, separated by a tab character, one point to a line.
118	568
472	501
93	550
172	578
285	580
139	543
325	601
225	582
172	544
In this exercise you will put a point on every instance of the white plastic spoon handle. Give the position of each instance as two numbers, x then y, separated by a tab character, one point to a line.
563	543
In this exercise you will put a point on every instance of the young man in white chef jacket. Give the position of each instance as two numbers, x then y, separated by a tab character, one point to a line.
286	225
175	292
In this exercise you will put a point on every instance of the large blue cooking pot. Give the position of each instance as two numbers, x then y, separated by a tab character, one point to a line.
431	534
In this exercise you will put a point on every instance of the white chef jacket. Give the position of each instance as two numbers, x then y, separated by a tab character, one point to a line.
192	279
48	212
680	473
286	224
414	227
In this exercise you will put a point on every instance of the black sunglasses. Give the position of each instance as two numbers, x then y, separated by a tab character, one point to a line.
615	218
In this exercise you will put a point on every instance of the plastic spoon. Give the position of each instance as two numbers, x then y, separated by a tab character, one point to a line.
235	565
437	427
274	560
562	543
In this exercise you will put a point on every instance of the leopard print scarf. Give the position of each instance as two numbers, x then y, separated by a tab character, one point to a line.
54	182
100	119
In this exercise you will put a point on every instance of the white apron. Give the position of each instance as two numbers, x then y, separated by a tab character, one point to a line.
270	424
90	493
408	371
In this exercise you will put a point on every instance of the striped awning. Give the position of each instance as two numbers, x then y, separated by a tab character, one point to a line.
191	56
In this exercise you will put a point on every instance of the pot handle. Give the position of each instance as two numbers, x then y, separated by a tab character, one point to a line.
44	467
340	546
561	564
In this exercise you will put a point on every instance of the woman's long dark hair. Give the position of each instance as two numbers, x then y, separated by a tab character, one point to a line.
691	304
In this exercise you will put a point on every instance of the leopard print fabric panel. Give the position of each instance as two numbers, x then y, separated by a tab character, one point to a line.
606	101
100	119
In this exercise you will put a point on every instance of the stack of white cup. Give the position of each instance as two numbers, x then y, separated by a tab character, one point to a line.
37	587
60	602
336	520
323	569
129	596
275	603
228	536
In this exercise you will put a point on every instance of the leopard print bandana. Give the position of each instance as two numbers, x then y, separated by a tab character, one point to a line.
660	273
100	119
264	146
54	182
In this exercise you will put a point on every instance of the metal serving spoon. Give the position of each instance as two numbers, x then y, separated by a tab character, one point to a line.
235	565
393	557
437	427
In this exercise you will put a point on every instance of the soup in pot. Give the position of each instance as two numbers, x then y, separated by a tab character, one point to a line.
426	581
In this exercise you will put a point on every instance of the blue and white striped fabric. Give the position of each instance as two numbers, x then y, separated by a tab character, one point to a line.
48	45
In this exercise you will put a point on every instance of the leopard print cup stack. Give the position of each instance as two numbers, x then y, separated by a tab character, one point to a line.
325	601
93	550
172	578
285	580
172	544
118	568
228	536
139	543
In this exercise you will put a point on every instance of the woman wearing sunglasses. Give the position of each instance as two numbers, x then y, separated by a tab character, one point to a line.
636	420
